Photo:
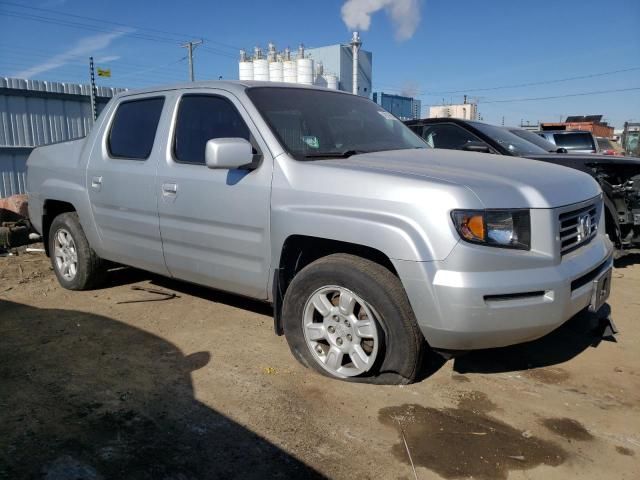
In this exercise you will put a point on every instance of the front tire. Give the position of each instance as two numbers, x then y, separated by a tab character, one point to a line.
349	318
74	262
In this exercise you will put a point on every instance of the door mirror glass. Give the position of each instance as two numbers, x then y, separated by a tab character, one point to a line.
228	153
480	147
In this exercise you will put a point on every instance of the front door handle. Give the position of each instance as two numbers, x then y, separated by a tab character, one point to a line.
169	189
96	183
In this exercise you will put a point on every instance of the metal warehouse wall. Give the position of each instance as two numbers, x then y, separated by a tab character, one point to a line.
34	113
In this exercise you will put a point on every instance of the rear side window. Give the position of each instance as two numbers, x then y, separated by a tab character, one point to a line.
574	141
134	126
202	118
605	144
448	136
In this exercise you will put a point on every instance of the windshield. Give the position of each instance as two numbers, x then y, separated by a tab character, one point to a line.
513	143
534	138
321	124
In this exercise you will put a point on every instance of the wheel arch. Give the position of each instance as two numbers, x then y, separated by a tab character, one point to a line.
50	210
298	251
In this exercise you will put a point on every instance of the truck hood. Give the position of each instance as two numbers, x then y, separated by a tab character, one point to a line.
498	181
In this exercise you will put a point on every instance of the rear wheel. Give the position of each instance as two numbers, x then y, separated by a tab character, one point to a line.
349	318
74	262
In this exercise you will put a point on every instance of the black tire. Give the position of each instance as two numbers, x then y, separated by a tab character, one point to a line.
90	268
401	344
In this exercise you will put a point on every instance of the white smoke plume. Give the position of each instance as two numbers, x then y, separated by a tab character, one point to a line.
405	15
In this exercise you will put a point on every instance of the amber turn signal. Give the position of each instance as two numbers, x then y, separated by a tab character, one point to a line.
473	228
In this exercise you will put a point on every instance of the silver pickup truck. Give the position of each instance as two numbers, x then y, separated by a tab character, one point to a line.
372	247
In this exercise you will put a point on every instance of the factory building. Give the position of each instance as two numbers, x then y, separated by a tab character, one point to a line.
405	108
329	67
464	111
589	123
338	59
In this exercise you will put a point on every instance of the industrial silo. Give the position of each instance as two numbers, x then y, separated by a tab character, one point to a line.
304	67
290	72
245	67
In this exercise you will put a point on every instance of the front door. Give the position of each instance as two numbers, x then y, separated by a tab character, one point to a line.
121	179
214	223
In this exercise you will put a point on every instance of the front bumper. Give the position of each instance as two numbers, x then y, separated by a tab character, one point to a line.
466	310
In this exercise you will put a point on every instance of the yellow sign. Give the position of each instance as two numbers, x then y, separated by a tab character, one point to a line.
104	73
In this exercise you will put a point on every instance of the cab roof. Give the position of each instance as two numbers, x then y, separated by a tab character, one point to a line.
233	86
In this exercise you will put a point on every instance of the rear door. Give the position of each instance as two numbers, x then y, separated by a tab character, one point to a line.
214	223
121	179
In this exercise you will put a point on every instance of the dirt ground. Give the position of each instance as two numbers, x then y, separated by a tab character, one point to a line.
127	383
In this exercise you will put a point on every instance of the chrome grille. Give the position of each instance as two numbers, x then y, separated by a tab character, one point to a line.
578	227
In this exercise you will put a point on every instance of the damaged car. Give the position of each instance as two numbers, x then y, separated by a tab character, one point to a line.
619	177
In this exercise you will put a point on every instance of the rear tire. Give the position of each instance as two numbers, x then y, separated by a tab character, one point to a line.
75	263
349	318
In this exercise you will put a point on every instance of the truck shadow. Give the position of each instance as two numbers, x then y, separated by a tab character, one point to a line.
566	342
127	276
85	396
571	339
627	260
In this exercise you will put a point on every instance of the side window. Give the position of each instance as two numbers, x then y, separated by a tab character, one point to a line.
574	141
448	136
200	119
134	126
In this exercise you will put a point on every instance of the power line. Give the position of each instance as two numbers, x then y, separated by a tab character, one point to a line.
520	85
181	36
81	59
92	28
544	82
128	33
581	94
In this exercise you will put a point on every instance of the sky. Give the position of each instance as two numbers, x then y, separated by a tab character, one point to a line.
508	55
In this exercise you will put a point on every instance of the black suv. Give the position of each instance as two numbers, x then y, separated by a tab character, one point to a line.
619	177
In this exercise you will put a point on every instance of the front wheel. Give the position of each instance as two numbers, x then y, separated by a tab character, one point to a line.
349	318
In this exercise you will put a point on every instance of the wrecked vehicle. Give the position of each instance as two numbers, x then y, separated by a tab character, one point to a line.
619	177
371	246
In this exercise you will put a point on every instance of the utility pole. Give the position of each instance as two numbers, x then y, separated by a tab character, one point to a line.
190	46
92	77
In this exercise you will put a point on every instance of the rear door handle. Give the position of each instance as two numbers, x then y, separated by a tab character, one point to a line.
169	189
96	183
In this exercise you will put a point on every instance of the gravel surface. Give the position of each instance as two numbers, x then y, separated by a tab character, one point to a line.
152	378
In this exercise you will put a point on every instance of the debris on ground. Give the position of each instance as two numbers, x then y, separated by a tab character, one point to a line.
163	295
14	208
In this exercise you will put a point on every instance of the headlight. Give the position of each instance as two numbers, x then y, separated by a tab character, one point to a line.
494	228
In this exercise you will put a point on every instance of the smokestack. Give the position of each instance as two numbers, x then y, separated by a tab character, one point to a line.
355	46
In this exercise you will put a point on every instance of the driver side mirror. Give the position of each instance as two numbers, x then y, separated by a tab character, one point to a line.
562	150
228	153
479	147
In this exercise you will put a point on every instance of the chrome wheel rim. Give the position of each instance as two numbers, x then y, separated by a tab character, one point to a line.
65	254
341	331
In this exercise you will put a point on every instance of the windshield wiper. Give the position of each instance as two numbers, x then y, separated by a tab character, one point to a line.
345	154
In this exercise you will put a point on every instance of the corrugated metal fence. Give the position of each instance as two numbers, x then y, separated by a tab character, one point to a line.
35	113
